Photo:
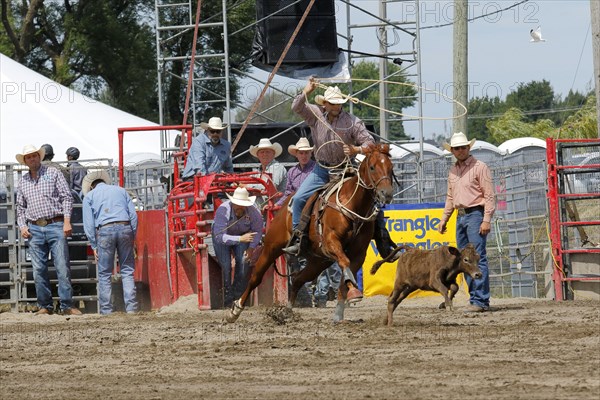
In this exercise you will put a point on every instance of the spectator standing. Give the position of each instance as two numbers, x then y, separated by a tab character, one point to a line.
44	205
471	194
327	285
209	153
76	170
267	152
47	160
236	230
302	150
110	223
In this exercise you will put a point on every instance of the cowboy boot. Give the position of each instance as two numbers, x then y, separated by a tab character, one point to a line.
293	246
383	241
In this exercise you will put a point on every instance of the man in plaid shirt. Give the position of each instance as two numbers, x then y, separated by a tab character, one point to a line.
44	205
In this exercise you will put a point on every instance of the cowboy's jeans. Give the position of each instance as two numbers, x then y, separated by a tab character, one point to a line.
330	278
44	240
118	239
467	231
317	178
240	278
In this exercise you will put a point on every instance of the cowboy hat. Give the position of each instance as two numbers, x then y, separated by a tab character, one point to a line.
30	149
91	177
214	124
457	140
302	145
240	197
332	95
266	144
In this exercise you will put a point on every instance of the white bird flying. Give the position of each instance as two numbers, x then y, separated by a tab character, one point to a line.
536	35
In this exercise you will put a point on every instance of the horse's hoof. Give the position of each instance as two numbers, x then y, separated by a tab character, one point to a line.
234	313
442	306
354	296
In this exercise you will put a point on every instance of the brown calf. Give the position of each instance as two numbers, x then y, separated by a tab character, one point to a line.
429	270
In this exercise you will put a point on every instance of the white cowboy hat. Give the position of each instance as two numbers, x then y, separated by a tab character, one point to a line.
91	177
30	149
332	95
301	145
266	144
240	197
214	124
457	140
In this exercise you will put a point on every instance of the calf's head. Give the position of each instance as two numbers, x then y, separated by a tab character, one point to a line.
468	260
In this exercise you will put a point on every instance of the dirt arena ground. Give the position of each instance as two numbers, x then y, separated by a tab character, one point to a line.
527	349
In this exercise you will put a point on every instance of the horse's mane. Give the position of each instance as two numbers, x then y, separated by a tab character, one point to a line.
380	147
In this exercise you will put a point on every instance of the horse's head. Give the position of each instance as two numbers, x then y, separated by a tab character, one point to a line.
376	171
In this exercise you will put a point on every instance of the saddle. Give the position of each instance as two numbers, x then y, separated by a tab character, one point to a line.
318	202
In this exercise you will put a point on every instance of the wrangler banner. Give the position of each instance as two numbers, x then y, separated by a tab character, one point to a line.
410	225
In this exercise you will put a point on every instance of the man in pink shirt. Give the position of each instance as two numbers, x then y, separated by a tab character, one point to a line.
471	193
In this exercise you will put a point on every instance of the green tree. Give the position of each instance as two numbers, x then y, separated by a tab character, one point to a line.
274	107
101	48
480	111
211	91
571	103
583	124
534	96
512	124
401	95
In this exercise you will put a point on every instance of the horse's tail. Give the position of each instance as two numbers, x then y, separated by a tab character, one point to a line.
390	258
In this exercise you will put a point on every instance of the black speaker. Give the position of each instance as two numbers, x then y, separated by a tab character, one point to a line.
319	8
316	41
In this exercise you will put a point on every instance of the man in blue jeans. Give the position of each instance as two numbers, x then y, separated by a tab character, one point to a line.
237	230
471	193
44	206
110	223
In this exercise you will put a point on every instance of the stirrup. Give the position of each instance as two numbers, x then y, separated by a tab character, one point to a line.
292	250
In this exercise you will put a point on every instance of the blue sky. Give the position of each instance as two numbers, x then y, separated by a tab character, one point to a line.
500	53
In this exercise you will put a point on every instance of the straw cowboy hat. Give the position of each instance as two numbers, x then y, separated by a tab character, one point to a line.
91	177
240	197
302	145
266	144
457	140
214	124
332	95
30	149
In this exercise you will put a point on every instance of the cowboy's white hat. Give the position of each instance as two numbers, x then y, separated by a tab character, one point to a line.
457	140
240	197
214	124
266	144
332	95
30	149
301	145
91	177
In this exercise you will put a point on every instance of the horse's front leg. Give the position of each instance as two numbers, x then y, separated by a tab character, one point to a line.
265	260
348	290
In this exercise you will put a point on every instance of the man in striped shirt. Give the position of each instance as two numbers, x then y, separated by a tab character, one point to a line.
44	205
336	135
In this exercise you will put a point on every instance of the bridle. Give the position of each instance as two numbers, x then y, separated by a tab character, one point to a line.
374	185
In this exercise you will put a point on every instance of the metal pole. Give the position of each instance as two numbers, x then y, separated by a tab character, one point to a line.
383	125
460	72
595	14
420	165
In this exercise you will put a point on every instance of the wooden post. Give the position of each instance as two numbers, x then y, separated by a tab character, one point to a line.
460	71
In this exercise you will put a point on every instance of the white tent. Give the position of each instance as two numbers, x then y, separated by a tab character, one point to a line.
36	110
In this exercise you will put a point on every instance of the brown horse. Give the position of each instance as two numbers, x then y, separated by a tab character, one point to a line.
340	230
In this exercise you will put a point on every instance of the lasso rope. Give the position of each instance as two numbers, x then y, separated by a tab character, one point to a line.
355	100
